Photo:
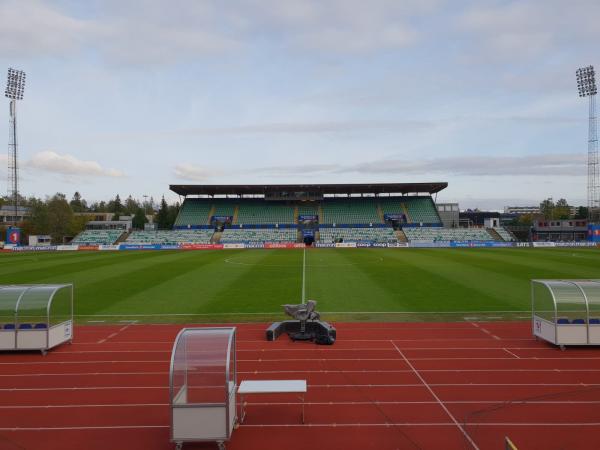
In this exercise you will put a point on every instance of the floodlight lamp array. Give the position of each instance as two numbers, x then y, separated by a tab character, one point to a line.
15	84
586	81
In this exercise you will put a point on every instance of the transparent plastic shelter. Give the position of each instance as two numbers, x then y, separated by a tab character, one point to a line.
203	385
35	317
566	312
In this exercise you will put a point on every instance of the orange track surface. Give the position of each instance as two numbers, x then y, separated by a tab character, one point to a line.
381	386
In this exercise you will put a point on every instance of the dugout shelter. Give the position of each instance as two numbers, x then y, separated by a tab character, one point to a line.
202	385
566	312
35	317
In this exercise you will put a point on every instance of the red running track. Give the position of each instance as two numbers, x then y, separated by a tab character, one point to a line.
381	386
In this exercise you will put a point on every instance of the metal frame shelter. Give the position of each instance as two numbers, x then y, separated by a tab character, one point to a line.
35	317
202	382
566	312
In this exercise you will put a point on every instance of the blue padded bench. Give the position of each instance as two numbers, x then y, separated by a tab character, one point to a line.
9	326
594	321
25	326
578	321
39	326
562	320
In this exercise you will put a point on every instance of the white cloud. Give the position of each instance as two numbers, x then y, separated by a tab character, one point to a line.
191	172
530	28
32	28
49	161
567	164
544	165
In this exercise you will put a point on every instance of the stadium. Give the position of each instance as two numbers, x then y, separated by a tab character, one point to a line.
434	344
300	285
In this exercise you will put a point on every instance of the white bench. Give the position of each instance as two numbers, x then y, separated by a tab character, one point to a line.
270	387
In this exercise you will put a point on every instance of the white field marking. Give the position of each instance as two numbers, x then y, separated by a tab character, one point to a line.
129	323
460	427
331	371
511	353
80	374
420	424
114	427
304	276
96	321
164	361
523	317
314	425
278	312
485	331
328	386
325	403
345	340
312	350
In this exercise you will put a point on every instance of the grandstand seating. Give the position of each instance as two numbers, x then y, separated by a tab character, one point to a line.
224	206
349	211
164	237
504	234
308	209
97	237
432	234
194	211
231	235
264	212
419	209
386	234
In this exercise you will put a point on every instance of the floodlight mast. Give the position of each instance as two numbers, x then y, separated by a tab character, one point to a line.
586	85
15	85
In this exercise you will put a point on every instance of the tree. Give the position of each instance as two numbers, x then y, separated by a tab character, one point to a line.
115	206
139	219
562	210
60	217
547	208
37	223
131	206
77	203
162	216
173	212
581	213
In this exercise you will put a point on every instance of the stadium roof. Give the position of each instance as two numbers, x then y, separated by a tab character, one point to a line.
255	189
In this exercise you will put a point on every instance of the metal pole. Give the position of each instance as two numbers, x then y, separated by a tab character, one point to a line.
15	167
593	177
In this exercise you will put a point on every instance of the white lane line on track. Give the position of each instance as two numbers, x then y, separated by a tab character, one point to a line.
431	391
320	360
323	371
328	386
311	350
426	424
113	427
318	425
129	323
489	333
511	353
324	403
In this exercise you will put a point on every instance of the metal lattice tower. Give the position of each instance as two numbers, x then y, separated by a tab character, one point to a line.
586	85
15	85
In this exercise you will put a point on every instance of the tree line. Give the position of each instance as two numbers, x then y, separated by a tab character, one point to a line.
57	216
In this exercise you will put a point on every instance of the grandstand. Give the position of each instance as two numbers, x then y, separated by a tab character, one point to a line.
436	234
337	213
256	235
97	237
166	237
379	235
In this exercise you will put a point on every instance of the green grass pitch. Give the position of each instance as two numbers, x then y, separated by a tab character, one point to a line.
223	285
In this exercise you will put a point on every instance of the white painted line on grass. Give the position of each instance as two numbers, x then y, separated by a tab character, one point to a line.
460	427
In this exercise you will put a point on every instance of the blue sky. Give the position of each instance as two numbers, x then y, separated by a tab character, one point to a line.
129	97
